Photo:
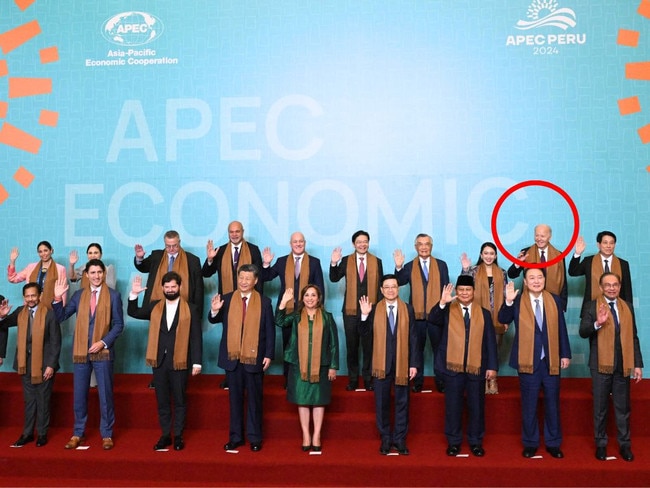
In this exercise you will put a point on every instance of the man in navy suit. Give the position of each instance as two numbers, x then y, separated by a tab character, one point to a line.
99	323
539	350
246	350
295	270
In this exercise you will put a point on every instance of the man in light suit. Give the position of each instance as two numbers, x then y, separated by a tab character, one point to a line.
427	276
174	347
362	272
99	323
614	356
246	350
592	267
390	325
539	350
37	327
295	270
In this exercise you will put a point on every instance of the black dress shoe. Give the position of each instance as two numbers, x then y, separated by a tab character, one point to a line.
163	442
477	450
402	450
23	439
256	446
384	449
41	440
179	443
151	386
626	453
529	452
231	446
416	388
555	452
440	386
601	453
453	450
351	387
223	385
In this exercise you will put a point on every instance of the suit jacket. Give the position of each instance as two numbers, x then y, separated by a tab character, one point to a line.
404	277
266	342
215	267
329	356
583	268
338	272
315	277
587	330
167	338
489	356
116	325
508	314
150	265
51	339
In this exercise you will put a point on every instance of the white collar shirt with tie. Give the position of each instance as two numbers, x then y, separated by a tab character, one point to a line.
608	263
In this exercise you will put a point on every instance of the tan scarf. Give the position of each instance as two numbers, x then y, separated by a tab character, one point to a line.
352	277
180	266
182	334
226	277
380	329
482	293
38	339
527	328
456	340
102	326
432	291
304	353
290	276
243	346
597	272
51	276
554	274
606	338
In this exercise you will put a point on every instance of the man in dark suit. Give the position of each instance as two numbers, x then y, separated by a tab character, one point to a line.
539	350
99	323
592	267
226	260
614	356
541	252
390	325
362	272
38	346
174	346
296	270
246	350
427	276
467	356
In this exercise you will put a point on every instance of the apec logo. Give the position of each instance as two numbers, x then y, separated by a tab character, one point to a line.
132	28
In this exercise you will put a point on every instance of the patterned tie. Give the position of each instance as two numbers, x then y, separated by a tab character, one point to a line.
235	259
362	269
540	320
243	310
391	319
170	265
296	268
606	266
93	302
543	258
425	270
614	314
466	317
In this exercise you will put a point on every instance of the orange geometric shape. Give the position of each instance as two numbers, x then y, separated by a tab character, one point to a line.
49	54
644	134
629	38
24	177
4	70
644	8
638	71
23	4
627	106
18	138
13	38
3	109
26	87
48	118
3	194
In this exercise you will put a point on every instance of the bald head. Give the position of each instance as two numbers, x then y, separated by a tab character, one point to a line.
235	232
297	243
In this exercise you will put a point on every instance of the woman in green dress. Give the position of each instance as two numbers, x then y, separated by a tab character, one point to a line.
313	354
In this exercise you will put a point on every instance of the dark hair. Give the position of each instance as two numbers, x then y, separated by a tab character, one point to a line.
319	292
95	262
95	244
249	268
172	234
360	233
387	277
609	273
483	246
31	284
600	235
44	243
526	270
171	276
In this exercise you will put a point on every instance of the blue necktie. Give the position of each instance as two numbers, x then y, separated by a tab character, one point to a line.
614	314
466	317
391	318
425	270
540	320
170	265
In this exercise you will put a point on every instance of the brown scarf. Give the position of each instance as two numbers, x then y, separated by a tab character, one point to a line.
554	274
456	340
380	329
527	328
432	290
38	339
51	276
290	276
226	265
102	326
180	266
482	294
597	272
304	352
352	277
182	334
606	338
242	345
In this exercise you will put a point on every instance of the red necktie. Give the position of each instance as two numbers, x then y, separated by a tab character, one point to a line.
243	309
93	302
362	269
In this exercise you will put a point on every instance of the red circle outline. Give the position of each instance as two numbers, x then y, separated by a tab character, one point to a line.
546	184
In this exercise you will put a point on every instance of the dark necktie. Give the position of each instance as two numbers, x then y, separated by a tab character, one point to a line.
30	321
391	318
235	259
542	259
243	310
362	269
170	265
606	266
466	317
540	320
614	314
